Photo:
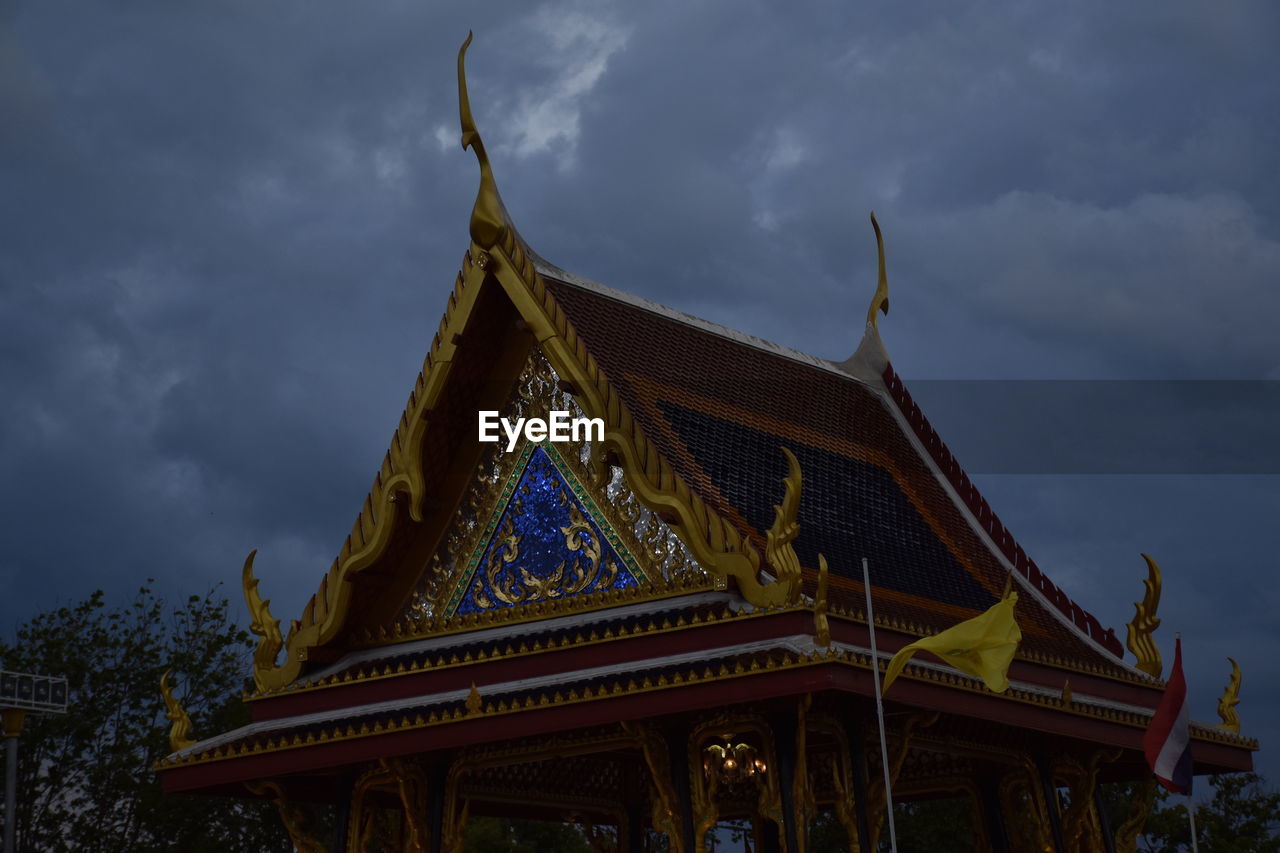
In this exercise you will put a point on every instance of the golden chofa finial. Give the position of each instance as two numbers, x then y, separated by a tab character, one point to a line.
1230	699
180	721
261	624
821	628
1140	641
879	302
488	217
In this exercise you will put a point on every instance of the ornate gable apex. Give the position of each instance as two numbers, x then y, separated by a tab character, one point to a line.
501	307
536	534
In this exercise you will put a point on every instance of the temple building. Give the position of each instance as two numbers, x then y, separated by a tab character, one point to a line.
661	626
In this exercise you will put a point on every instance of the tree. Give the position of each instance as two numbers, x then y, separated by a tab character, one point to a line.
86	782
502	835
1242	817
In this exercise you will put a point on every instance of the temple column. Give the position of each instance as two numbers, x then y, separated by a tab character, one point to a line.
858	765
1051	804
1104	822
437	784
993	815
342	816
633	841
783	725
677	738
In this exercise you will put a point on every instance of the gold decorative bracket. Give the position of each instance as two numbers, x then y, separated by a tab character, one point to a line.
262	625
821	628
290	815
879	302
1140	641
1141	800
665	815
179	719
1230	699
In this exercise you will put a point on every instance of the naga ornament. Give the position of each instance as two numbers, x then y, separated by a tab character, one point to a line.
261	624
1144	622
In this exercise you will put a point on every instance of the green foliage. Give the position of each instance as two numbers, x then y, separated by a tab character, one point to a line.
500	835
86	782
935	826
924	826
1242	817
827	833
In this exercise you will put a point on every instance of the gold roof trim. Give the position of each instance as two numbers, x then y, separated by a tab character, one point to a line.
515	647
690	673
399	479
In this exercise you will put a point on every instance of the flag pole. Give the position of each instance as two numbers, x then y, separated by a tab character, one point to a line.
875	677
1191	809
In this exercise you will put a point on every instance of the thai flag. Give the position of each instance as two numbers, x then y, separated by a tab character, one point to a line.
1167	742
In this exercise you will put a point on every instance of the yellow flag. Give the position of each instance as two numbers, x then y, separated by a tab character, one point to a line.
982	646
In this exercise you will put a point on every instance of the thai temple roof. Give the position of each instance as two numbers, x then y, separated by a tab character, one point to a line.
691	540
719	403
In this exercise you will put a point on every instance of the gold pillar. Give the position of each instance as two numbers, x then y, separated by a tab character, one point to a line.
1025	812
665	815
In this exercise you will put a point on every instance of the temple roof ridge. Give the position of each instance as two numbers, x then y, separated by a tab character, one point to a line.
847	369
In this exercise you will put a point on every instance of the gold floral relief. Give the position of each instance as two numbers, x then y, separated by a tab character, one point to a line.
639	540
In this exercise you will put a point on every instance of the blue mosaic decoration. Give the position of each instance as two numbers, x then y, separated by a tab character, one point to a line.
546	540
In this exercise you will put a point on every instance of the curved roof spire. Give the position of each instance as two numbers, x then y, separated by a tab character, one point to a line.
870	359
881	300
489	217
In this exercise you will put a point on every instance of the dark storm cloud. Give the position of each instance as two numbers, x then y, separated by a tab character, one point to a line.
227	232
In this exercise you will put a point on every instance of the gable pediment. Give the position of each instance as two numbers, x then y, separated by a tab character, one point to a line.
546	540
538	529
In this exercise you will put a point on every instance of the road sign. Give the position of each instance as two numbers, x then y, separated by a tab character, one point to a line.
43	693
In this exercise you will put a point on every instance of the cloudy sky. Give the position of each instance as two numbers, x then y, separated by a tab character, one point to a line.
227	232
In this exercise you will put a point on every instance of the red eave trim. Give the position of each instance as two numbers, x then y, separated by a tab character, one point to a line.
987	519
637	650
325	757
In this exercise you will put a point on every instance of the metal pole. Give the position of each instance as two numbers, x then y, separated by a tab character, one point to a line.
10	794
12	726
884	744
1191	813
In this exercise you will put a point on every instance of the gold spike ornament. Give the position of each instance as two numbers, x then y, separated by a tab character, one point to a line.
261	624
1230	699
879	302
1140	641
180	722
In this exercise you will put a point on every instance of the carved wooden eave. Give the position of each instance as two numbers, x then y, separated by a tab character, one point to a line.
498	257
